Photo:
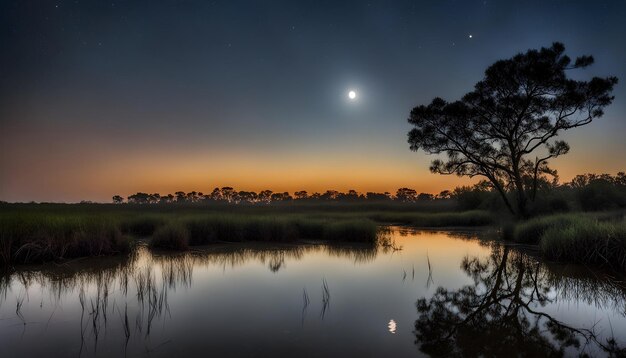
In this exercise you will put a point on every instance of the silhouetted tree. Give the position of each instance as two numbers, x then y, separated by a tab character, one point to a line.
151	199
599	191
117	199
139	198
265	196
301	195
519	107
281	197
351	195
329	195
248	196
276	197
166	199
582	180
192	197
444	194
228	194
471	197
216	194
181	197
406	195
378	196
154	198
425	197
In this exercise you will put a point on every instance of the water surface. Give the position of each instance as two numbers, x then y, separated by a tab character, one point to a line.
429	293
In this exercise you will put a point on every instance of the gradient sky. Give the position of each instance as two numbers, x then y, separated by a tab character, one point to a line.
113	97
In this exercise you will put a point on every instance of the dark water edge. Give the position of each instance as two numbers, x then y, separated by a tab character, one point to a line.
425	292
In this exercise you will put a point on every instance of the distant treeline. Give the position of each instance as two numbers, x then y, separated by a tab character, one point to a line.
586	192
230	195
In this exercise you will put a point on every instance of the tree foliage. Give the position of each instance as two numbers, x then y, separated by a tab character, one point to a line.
520	107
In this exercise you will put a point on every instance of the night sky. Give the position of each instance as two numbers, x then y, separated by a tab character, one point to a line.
113	97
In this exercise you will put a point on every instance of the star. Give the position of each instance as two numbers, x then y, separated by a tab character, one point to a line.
470	36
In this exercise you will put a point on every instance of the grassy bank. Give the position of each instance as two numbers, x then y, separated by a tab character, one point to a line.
37	237
36	233
444	219
42	232
183	232
590	239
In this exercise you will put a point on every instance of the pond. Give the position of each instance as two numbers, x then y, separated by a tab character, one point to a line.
422	293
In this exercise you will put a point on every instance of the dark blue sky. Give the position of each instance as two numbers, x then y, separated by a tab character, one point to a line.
101	97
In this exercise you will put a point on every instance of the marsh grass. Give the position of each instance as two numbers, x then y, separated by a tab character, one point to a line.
44	232
597	239
587	241
173	236
442	219
39	237
36	236
141	225
531	231
238	228
355	230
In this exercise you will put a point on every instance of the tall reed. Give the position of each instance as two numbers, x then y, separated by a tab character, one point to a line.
587	241
38	237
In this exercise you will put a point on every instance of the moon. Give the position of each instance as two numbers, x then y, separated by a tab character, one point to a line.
352	94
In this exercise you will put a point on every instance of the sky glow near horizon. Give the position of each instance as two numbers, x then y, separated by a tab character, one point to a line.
98	99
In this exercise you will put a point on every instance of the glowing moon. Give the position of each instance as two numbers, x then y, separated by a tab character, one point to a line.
352	94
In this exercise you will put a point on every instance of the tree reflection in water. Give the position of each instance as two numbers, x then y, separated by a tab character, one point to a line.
500	313
122	302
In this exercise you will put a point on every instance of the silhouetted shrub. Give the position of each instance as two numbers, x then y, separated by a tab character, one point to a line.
600	195
469	198
553	201
558	205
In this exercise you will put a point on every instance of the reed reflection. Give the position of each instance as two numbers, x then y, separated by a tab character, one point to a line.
129	294
153	300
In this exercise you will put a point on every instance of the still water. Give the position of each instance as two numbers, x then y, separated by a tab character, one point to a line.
438	293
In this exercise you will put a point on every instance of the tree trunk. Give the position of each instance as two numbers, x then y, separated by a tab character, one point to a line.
519	188
506	200
521	199
498	187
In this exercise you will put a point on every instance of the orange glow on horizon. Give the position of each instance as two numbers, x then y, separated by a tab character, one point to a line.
99	170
